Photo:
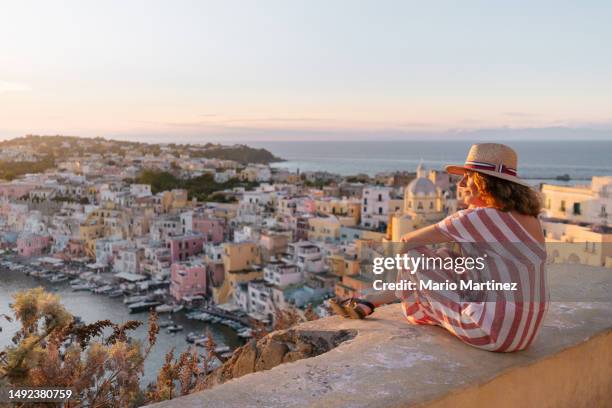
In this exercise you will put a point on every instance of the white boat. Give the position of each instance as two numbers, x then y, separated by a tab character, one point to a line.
165	323
134	299
174	328
222	349
103	289
115	293
165	308
201	341
245	333
58	278
83	286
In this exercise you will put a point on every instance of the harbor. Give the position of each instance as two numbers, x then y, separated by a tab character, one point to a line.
92	297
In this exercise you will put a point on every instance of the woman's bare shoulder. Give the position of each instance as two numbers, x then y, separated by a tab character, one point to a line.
531	224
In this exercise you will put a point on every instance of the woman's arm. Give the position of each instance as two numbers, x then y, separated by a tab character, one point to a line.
425	236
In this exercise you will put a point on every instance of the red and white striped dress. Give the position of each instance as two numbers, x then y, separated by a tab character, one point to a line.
503	322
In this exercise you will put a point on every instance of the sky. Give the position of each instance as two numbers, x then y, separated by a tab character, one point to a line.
304	69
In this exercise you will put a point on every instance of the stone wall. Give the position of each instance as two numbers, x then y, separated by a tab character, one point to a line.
383	361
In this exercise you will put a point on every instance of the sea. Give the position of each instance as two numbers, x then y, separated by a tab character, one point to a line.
539	161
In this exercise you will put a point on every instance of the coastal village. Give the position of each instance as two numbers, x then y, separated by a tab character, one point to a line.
233	241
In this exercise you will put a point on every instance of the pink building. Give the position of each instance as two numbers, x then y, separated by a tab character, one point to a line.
184	246
187	279
212	228
15	190
29	245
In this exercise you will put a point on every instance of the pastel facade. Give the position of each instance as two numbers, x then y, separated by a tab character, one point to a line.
375	203
184	246
187	279
578	244
324	228
29	245
591	204
212	229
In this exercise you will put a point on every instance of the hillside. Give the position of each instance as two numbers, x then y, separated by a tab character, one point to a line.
33	153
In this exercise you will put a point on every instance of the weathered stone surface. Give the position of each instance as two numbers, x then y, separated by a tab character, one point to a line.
271	355
245	361
274	349
393	364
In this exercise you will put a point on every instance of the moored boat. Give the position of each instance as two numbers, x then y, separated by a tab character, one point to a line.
142	306
174	328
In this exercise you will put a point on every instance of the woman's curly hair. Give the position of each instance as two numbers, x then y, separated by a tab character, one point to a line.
507	196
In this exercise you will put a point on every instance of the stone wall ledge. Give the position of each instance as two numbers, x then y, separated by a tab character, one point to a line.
390	363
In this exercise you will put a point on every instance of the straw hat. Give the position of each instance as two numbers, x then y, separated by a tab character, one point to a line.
492	159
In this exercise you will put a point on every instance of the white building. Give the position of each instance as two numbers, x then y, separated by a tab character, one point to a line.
307	256
140	190
591	204
375	202
282	274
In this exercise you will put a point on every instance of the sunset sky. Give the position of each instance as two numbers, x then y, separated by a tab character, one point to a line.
289	70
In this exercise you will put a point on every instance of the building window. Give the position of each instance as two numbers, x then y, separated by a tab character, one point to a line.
380	197
576	208
380	210
562	206
365	201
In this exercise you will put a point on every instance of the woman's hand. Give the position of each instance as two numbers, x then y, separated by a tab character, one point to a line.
424	236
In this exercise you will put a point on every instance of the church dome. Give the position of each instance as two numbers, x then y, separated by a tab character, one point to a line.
421	186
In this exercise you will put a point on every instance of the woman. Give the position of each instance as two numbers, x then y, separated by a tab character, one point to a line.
501	222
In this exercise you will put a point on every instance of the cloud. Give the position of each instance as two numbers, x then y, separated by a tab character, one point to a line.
6	86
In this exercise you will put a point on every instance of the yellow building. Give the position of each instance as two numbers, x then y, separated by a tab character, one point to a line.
353	286
324	228
342	264
176	198
103	222
340	207
578	244
241	263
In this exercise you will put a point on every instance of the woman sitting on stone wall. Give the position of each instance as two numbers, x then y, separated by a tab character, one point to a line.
500	222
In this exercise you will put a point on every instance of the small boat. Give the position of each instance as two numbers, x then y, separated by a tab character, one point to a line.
222	349
174	328
58	278
82	287
142	306
103	289
165	308
135	299
165	323
245	333
201	341
115	293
